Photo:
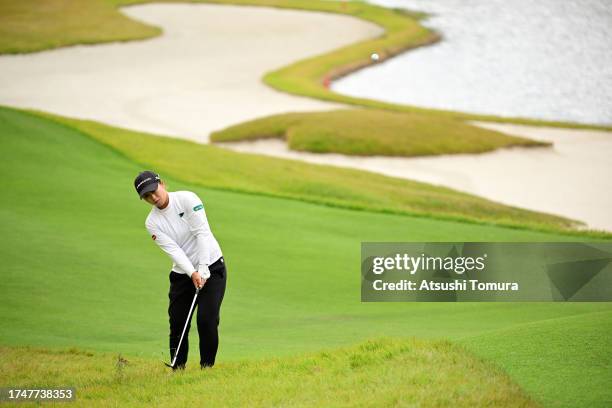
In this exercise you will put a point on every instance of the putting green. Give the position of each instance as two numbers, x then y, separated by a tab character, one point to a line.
80	270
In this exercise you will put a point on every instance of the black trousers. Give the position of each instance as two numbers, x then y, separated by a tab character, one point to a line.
208	305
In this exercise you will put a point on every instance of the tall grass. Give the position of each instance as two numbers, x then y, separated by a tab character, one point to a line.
365	132
375	373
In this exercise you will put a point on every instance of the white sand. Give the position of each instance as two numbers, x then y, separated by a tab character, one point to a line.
205	73
571	179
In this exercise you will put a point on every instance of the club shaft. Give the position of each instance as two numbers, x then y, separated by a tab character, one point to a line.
185	328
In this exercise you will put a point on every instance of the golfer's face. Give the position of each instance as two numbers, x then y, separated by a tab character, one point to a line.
157	197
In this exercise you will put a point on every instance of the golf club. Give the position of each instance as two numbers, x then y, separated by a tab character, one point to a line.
171	365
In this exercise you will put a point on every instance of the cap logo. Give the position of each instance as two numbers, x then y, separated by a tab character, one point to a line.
142	182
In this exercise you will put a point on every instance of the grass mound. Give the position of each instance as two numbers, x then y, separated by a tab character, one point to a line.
367	132
375	373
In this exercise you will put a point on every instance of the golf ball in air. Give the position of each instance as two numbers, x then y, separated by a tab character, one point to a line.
374	57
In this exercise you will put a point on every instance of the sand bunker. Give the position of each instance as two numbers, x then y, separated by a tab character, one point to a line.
205	73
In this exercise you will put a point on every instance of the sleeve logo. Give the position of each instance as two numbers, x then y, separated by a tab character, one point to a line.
154	237
198	207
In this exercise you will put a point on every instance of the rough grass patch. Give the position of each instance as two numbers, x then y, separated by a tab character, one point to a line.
301	380
367	132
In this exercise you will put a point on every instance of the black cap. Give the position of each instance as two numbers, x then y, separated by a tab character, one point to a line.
146	182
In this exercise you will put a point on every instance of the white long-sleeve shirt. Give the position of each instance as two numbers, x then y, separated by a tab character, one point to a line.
181	230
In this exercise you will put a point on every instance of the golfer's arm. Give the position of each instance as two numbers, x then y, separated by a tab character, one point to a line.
198	225
202	251
199	228
169	246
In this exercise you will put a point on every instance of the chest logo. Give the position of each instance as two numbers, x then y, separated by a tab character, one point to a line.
198	207
181	214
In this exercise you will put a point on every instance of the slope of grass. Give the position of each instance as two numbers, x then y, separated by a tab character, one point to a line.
372	374
35	25
563	362
211	166
365	132
79	214
79	269
78	211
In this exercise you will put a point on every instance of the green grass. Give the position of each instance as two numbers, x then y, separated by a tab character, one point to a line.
36	25
78	209
546	356
364	132
372	374
211	166
79	270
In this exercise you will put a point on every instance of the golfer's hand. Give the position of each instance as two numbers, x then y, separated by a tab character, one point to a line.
197	280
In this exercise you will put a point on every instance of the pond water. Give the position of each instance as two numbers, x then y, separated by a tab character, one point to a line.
548	59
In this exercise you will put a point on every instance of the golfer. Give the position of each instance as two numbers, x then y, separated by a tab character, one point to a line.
178	225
